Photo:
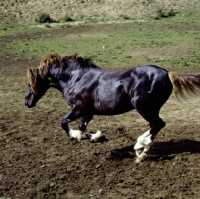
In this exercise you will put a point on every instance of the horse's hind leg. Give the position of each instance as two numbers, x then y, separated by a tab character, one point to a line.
148	107
148	104
145	141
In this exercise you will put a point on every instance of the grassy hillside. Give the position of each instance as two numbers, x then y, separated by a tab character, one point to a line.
101	10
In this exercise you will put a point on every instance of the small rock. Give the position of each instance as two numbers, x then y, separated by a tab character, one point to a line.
97	166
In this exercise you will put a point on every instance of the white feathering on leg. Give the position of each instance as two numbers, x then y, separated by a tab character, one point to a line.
143	140
95	136
142	146
76	134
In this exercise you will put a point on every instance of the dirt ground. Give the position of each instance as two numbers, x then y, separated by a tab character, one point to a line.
39	161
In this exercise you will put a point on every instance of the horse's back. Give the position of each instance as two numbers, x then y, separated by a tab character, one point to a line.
150	72
118	92
151	78
110	93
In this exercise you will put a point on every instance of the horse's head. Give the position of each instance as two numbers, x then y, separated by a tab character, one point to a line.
52	66
37	87
39	81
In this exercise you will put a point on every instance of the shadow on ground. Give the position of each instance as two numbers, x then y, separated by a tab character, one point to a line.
160	150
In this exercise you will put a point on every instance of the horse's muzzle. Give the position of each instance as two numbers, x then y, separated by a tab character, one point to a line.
29	105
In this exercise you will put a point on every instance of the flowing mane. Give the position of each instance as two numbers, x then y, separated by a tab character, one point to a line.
55	58
46	63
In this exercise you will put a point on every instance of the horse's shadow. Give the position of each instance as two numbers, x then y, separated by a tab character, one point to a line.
159	150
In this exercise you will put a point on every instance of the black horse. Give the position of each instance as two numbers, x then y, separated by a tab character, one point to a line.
90	90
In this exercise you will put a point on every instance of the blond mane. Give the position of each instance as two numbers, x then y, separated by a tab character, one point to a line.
46	63
42	69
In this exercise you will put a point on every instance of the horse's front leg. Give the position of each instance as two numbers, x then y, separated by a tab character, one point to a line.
71	116
84	122
94	137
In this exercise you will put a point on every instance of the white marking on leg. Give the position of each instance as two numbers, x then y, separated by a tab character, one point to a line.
142	146
75	134
94	137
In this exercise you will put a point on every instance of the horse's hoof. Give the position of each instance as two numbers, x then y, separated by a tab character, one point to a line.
103	138
72	138
96	137
88	135
138	160
75	134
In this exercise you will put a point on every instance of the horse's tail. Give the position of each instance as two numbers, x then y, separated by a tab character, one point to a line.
185	85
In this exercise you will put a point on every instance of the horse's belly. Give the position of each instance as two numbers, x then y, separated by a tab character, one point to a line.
112	98
112	108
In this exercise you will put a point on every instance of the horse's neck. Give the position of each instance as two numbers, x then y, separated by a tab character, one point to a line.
61	81
69	76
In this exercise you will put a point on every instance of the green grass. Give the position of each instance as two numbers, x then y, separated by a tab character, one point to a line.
169	42
9	26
